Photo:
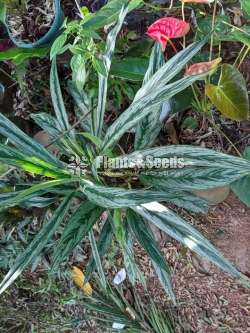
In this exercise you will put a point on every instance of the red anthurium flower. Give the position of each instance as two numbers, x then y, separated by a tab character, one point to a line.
167	28
203	67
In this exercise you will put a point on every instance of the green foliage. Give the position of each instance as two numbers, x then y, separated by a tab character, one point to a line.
241	187
130	68
109	306
230	95
129	197
18	55
246	7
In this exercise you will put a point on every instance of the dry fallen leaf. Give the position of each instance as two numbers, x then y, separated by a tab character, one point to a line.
79	278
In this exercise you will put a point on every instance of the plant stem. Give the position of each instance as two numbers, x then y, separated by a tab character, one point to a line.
183	18
244	56
213	26
212	122
239	55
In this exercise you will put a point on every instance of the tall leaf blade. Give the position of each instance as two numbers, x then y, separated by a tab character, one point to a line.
103	244
22	141
182	231
115	197
97	259
199	168
150	126
171	68
144	236
57	99
35	189
76	229
143	107
37	245
98	114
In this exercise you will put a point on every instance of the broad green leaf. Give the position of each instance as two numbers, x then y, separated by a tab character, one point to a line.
242	35
179	229
98	113
57	99
22	141
130	68
18	55
241	187
145	238
230	96
245	5
108	13
221	31
37	245
99	66
78	226
149	127
58	45
79	74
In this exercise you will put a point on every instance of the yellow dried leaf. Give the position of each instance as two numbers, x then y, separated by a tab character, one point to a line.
79	278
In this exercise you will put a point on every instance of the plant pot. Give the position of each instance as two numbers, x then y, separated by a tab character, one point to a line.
49	36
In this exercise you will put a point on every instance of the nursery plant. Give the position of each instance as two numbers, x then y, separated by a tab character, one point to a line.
82	187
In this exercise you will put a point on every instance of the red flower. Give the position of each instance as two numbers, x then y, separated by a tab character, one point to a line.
167	28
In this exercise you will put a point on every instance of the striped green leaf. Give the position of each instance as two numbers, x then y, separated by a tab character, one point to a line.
142	107
25	195
98	114
144	236
57	99
14	157
148	129
78	226
179	229
97	260
199	168
23	142
103	244
115	197
37	245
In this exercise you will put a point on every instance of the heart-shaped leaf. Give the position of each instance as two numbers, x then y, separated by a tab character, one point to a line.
230	95
241	187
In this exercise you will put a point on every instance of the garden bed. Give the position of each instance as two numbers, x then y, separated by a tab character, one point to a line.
208	299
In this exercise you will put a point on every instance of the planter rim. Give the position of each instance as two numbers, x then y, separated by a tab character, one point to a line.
49	36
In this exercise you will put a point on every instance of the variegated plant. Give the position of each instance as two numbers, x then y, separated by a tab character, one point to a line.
128	202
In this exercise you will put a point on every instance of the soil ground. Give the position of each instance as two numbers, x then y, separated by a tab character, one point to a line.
209	300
